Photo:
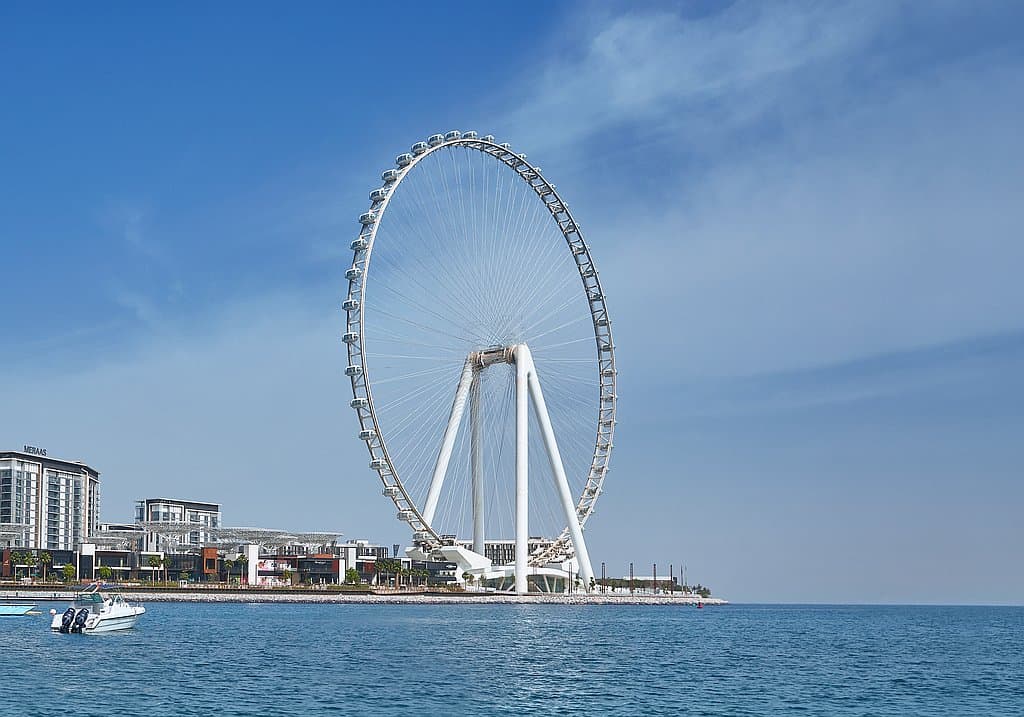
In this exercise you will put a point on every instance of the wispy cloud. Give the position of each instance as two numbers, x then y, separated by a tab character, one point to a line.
666	72
792	216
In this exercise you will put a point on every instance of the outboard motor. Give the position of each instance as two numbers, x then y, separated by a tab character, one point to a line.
80	619
66	619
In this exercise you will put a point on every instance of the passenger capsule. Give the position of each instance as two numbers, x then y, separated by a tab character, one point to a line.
350	305
406	515
358	403
353	370
367	434
389	175
488	138
350	337
378	195
403	160
454	134
469	135
608	372
359	244
602	322
353	273
378	463
435	139
522	157
367	218
391	491
505	145
419	148
421	536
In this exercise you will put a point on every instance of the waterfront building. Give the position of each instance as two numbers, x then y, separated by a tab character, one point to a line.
175	524
46	503
503	552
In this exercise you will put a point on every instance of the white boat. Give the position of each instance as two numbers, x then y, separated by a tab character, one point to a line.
95	611
12	610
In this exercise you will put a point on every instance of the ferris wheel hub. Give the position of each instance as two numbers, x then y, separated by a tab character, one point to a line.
492	355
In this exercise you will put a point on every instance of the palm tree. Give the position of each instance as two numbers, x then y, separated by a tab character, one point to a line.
30	560
166	563
228	564
47	560
16	559
243	561
154	562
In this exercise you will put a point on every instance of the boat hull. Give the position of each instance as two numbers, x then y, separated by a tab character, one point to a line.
104	623
15	610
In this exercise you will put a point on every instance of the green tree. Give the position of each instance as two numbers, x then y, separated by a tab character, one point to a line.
105	572
16	558
286	574
228	564
154	562
243	562
69	572
352	576
31	561
46	560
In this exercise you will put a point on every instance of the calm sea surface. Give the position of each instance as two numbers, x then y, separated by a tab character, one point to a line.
522	660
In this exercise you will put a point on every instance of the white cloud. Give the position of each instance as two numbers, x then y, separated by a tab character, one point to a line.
667	72
862	219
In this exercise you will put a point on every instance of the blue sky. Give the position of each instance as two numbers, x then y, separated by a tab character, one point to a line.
807	219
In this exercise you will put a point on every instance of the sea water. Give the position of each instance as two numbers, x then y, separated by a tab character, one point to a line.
283	659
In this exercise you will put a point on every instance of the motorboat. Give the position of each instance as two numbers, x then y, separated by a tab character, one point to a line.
96	611
15	610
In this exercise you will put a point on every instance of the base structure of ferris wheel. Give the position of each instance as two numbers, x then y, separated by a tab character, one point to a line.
527	392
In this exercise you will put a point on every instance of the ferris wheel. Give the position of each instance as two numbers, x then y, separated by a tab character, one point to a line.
473	296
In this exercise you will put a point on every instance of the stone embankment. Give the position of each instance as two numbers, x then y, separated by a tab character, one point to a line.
209	596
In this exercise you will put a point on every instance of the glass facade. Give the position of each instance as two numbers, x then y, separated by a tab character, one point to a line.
19	489
46	503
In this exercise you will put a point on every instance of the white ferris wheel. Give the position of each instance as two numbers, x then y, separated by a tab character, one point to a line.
481	359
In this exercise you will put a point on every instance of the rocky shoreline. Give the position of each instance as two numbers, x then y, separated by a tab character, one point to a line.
205	596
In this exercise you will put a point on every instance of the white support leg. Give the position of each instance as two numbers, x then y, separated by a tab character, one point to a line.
522	468
477	461
447	443
557	469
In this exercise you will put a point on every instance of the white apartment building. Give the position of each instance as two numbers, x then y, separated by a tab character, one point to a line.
46	503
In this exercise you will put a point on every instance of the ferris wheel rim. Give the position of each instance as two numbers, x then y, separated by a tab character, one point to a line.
424	535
